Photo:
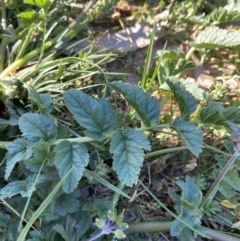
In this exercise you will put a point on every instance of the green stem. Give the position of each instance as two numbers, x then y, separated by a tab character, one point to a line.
169	150
116	195
190	52
158	227
4	41
212	191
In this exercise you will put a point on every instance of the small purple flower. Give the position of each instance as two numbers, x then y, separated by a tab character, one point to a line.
235	133
78	226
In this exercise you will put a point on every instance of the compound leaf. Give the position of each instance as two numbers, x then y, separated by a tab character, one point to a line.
144	104
191	135
214	37
71	156
97	117
127	148
37	126
16	152
185	100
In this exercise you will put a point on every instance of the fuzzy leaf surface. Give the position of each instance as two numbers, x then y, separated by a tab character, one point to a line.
226	190
213	114
71	155
214	37
143	103
232	114
37	126
191	135
232	178
24	187
61	230
127	148
67	203
98	117
16	152
193	88
190	192
41	151
185	100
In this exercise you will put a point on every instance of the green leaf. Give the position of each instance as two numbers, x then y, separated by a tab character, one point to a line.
25	187
43	101
233	179
213	114
144	104
193	88
37	126
226	14
214	37
41	151
97	117
183	65
35	215
29	17
172	69
70	155
184	233
36	236
99	207
226	190
67	203
127	148
16	152
190	191
232	114
60	229
85	223
39	3
173	54
185	100
191	135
